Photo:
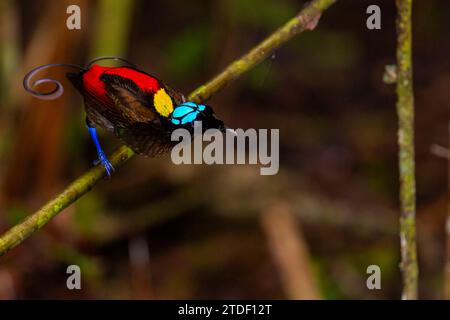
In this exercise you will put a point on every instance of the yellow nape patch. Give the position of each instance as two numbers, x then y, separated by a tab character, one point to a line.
163	103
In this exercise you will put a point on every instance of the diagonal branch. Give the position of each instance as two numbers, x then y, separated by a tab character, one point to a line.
305	20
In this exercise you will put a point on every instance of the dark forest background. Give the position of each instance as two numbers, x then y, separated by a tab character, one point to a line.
156	230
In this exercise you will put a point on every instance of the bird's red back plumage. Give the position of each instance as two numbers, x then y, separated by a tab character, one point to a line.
96	87
133	104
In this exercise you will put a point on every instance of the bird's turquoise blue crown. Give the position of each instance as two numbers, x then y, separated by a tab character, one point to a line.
187	112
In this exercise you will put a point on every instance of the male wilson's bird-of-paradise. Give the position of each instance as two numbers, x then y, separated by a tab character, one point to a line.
140	109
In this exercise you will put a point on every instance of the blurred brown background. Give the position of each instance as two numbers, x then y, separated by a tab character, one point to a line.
156	230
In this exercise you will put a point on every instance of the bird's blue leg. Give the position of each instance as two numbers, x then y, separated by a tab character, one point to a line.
101	154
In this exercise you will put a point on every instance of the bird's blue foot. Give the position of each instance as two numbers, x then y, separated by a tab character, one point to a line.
101	154
105	162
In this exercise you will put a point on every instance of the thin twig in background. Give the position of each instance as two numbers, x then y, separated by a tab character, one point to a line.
112	29
444	153
447	231
405	111
305	20
140	269
290	252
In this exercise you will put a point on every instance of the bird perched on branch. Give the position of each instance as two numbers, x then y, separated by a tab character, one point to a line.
139	108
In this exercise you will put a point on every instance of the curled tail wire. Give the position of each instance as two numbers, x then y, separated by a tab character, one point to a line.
59	89
49	95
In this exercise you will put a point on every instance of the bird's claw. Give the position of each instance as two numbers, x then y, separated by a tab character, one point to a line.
105	163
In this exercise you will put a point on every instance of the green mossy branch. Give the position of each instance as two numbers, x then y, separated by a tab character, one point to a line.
305	20
405	111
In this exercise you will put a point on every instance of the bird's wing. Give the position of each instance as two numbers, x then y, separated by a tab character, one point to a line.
146	139
130	101
100	112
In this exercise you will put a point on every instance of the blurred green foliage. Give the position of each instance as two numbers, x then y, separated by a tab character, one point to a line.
186	51
261	13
